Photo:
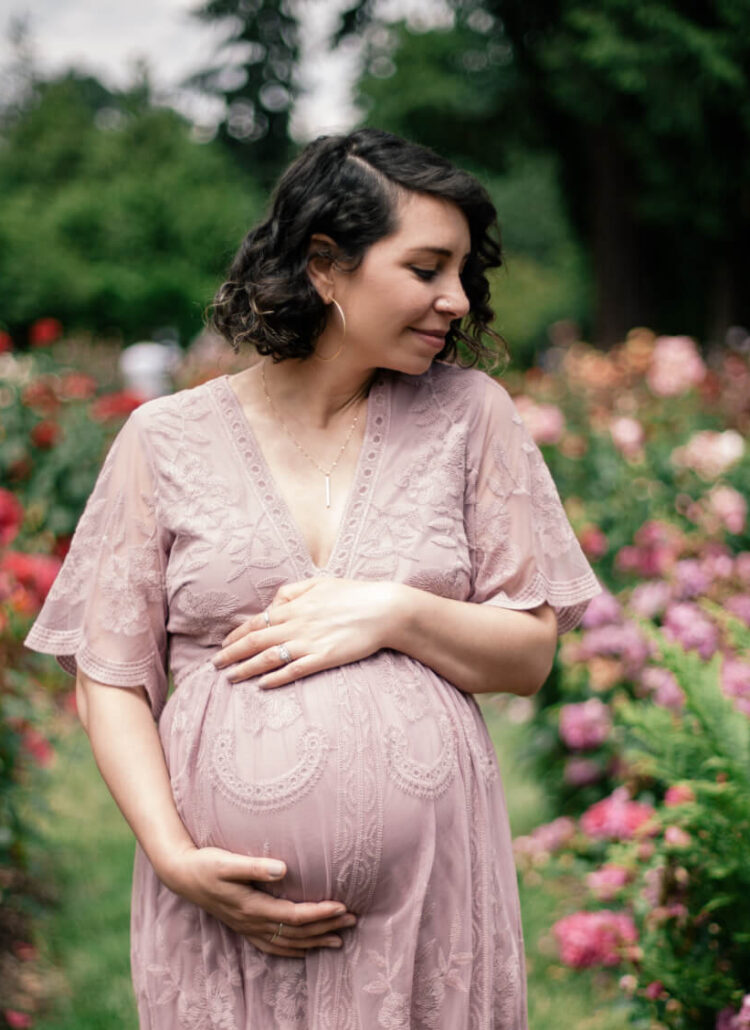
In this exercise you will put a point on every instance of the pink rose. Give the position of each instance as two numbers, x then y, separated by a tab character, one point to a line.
676	837
585	725
627	435
676	366
615	817
607	881
545	422
594	938
679	794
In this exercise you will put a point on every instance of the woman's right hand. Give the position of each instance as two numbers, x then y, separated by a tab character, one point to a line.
222	883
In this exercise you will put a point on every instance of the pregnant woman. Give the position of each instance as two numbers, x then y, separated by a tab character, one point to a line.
332	552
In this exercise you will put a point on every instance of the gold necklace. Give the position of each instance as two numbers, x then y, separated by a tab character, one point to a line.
298	445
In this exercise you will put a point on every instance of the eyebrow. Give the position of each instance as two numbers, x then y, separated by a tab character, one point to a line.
442	251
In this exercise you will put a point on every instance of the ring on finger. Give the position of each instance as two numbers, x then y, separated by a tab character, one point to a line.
284	654
278	931
267	617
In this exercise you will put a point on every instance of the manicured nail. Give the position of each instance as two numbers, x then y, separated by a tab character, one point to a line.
338	910
333	942
262	682
275	868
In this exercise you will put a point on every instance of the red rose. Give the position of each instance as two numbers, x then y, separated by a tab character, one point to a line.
6	342
35	572
45	331
77	386
45	434
41	397
11	516
115	405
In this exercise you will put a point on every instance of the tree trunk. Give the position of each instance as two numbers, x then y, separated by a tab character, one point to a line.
618	305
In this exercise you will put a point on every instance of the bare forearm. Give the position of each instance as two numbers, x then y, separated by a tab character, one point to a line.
127	749
478	648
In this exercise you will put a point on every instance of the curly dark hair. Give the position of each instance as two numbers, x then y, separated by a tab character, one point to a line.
348	187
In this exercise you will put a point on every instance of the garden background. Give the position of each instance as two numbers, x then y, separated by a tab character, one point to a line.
615	140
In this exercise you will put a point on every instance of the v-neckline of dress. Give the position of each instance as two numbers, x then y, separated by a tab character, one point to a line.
273	500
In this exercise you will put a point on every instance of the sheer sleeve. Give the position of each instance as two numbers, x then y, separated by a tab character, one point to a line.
106	612
523	549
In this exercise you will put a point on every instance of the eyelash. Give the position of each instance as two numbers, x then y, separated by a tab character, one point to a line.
426	274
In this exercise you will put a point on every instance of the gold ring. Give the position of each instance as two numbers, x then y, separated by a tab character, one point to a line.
277	933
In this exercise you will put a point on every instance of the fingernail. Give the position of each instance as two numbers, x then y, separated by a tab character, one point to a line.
334	942
275	868
262	682
350	921
338	910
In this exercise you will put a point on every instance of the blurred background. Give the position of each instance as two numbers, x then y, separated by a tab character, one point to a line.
138	143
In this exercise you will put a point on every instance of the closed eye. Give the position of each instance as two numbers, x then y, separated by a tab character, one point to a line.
424	273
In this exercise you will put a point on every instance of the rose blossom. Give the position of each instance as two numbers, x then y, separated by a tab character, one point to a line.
729	506
625	641
545	422
710	453
739	605
585	725
651	598
678	794
615	817
580	772
677	837
594	938
676	366
735	682
11	516
686	624
547	838
602	609
742	567
607	881
627	435
691	579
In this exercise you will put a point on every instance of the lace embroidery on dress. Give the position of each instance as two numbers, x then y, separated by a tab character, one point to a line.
274	793
273	504
269	709
417	778
435	973
408	692
394	1008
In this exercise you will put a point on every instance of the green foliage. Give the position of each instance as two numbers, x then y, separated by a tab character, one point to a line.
111	218
718	736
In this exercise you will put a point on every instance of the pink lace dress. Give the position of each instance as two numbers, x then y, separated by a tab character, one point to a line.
376	782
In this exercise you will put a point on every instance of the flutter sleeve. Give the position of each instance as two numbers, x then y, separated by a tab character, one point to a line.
106	612
523	549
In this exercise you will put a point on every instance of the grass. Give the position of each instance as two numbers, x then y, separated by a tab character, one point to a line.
85	937
83	940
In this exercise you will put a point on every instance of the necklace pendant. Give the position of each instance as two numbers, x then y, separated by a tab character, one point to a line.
328	491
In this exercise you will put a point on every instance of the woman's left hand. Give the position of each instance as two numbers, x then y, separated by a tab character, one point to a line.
322	623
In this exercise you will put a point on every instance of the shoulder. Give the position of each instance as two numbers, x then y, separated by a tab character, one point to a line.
461	393
191	404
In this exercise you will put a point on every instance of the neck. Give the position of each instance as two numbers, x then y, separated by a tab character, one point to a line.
317	395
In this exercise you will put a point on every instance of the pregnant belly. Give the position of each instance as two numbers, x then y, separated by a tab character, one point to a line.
349	776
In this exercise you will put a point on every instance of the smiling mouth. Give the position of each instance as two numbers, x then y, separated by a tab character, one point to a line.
434	338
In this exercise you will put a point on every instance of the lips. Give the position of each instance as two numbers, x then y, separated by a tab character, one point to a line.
435	337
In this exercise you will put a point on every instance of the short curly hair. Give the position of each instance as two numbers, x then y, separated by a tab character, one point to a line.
348	187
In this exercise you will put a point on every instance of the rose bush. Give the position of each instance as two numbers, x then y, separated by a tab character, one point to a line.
643	730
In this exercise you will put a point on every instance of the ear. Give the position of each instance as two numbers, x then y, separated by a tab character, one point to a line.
322	253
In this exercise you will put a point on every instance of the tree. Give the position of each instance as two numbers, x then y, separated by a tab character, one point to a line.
646	105
260	87
111	217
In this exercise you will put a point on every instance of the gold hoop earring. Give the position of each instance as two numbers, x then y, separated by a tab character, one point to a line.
343	337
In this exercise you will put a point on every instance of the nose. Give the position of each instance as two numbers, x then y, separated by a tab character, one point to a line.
453	300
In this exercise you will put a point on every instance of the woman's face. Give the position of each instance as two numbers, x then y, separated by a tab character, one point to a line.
401	300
